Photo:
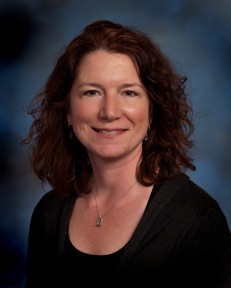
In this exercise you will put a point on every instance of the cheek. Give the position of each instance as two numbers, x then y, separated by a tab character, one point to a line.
79	113
79	119
140	114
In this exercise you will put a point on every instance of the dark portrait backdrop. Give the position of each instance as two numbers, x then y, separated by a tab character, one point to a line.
195	34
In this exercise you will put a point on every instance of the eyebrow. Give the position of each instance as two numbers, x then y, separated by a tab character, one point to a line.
125	85
131	85
89	84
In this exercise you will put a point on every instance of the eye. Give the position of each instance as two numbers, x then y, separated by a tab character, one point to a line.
130	93
91	93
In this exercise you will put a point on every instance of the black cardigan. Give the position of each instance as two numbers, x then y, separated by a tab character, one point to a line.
182	239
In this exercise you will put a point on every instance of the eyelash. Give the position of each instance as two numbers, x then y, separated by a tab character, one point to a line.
129	92
91	93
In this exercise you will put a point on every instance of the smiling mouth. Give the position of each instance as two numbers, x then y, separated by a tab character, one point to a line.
103	131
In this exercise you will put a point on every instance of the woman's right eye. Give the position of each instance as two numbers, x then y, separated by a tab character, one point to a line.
91	93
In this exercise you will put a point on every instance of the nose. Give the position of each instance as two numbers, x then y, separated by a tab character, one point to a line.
110	107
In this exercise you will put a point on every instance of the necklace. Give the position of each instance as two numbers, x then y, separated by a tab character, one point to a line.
99	220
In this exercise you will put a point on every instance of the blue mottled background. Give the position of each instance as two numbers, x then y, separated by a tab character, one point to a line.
195	34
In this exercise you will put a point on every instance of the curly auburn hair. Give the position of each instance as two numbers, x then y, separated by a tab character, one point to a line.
64	164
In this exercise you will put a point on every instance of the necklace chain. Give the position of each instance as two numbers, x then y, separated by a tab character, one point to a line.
99	220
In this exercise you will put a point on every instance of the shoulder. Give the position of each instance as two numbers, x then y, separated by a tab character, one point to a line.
184	191
200	221
50	201
189	204
197	198
51	207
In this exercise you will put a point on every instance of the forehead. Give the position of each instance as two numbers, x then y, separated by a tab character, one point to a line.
102	61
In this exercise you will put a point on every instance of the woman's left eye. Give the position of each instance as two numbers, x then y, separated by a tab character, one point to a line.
130	93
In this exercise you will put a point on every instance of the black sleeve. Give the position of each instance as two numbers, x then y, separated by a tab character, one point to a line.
42	248
206	242
208	251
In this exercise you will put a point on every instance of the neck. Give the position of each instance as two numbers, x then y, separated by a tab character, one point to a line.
113	181
114	176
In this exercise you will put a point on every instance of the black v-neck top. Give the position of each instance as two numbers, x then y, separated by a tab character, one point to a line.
76	262
182	240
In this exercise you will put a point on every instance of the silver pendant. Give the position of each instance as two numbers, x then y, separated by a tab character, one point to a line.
99	221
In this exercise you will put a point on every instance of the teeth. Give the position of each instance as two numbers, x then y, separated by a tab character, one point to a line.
108	132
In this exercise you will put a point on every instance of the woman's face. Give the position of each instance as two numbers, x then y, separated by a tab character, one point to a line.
109	106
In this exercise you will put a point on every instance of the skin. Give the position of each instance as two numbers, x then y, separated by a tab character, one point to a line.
109	112
109	107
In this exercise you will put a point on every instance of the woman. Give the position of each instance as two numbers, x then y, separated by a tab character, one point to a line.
111	135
